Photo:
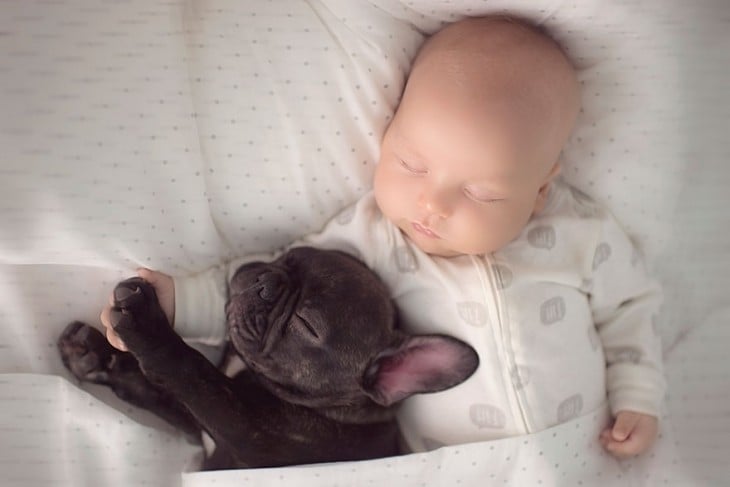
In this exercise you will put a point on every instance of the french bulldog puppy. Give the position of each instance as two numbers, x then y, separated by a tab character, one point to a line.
324	363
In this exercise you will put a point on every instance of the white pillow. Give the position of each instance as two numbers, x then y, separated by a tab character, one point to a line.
176	136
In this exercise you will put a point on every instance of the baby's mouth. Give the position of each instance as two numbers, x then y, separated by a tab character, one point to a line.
424	230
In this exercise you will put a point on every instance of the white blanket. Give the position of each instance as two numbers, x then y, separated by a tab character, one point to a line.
176	135
66	435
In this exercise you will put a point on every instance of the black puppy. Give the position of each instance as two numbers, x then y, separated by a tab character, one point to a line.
324	363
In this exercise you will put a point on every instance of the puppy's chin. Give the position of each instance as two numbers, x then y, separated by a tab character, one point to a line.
314	398
256	326
243	342
246	319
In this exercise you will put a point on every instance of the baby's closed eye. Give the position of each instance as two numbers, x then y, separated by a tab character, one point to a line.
481	195
413	167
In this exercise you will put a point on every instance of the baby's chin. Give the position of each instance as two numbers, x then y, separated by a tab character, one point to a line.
440	247
437	250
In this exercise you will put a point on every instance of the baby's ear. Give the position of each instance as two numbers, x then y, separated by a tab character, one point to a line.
422	363
544	191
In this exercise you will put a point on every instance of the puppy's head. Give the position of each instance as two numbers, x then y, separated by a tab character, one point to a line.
318	328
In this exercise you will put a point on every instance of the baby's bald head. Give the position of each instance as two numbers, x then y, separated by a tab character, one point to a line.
505	65
470	153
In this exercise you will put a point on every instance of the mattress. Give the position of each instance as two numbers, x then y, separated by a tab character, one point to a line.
179	134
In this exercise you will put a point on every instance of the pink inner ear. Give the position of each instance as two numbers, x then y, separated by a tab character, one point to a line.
419	368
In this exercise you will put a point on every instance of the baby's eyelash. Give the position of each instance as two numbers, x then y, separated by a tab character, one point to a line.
410	168
480	200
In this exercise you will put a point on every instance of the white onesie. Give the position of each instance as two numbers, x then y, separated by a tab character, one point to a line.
562	317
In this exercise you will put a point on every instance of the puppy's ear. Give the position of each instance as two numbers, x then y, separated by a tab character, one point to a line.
422	363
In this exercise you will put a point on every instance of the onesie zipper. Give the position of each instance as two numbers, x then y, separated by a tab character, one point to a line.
496	311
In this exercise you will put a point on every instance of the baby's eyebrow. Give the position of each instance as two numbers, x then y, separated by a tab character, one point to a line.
404	142
407	145
494	190
407	149
496	183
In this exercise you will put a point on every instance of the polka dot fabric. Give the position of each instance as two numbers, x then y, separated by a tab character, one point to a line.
567	456
177	135
63	436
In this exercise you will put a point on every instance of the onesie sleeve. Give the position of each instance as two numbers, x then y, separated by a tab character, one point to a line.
200	299
625	303
361	231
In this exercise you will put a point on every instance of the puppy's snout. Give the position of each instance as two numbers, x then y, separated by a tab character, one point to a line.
271	284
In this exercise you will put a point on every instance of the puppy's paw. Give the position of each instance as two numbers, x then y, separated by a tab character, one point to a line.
137	316
86	353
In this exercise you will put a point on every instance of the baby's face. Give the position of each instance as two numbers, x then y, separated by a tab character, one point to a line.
454	179
474	144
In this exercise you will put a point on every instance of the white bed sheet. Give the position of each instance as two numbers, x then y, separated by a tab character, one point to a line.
84	439
176	135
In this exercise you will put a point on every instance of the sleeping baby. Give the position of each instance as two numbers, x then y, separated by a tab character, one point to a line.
477	237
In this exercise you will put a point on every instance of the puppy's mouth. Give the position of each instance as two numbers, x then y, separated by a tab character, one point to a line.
256	323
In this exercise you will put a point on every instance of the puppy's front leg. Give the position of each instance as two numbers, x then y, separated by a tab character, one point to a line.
90	358
254	427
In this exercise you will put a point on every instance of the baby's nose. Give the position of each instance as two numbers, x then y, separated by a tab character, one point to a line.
435	203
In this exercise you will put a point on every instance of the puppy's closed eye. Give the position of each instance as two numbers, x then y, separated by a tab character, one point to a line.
302	325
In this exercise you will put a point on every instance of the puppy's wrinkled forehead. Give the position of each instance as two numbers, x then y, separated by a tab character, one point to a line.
334	272
333	278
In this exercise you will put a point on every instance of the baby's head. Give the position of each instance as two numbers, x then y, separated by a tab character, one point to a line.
473	146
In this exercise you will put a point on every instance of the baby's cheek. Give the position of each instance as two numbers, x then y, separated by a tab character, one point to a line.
380	189
473	237
490	231
382	194
391	194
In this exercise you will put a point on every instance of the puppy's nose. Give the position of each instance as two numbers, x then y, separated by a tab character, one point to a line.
271	284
